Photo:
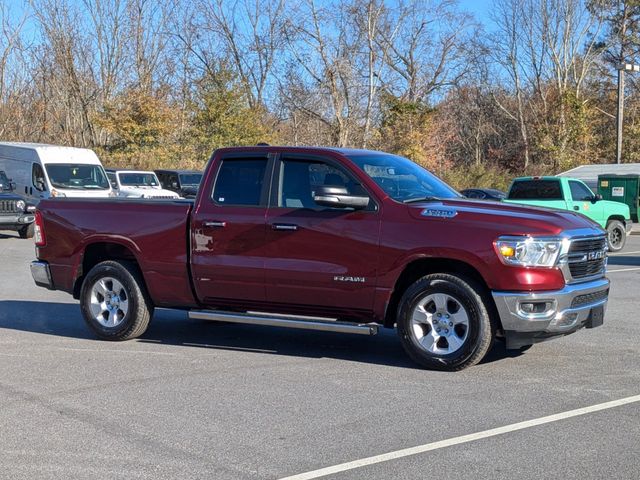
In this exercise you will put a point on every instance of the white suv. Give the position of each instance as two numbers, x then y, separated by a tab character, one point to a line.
138	184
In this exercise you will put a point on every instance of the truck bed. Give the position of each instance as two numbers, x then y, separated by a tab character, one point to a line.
154	232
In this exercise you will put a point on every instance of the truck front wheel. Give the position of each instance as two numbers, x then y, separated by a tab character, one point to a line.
114	301
443	322
616	235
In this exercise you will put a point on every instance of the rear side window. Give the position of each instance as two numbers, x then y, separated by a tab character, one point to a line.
536	190
580	192
240	182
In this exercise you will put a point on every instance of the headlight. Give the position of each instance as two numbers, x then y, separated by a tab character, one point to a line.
20	205
529	251
56	193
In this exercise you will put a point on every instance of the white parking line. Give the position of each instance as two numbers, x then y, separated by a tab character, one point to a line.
623	270
323	472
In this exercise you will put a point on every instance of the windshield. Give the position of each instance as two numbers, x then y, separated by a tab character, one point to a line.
402	179
77	176
138	180
190	179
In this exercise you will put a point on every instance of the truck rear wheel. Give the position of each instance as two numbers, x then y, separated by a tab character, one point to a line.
444	323
114	301
616	235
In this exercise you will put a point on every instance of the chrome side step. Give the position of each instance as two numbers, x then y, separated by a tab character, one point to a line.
304	323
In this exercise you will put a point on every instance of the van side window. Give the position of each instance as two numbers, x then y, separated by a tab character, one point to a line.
37	178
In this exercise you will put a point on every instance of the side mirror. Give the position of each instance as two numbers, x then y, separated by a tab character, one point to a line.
40	185
12	185
174	184
596	198
338	197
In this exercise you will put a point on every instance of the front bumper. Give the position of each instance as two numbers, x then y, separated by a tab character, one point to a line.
42	274
564	311
16	220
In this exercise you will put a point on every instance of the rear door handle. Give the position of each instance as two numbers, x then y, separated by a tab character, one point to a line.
214	224
284	226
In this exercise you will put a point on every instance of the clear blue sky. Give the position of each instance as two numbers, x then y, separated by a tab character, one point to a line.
480	8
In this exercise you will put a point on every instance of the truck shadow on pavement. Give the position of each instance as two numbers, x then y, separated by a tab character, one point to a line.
172	327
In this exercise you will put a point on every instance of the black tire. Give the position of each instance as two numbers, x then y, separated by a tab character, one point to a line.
616	235
27	231
132	289
480	332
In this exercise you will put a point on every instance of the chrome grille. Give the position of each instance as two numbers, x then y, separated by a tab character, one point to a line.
8	206
587	257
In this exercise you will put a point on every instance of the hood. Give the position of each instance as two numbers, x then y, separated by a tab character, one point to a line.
68	192
506	218
147	192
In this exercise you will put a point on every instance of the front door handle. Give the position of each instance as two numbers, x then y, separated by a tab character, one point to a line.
284	226
214	224
576	208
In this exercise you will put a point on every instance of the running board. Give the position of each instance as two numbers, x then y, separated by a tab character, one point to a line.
304	323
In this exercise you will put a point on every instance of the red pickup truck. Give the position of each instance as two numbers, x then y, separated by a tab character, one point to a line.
329	239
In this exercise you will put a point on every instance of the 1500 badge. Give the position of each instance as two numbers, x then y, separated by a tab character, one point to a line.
341	278
439	212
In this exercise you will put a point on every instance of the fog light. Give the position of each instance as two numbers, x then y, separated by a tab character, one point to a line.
535	307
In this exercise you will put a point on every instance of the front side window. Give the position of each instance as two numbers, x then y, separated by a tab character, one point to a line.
580	192
300	179
37	178
240	182
536	190
138	180
402	179
77	176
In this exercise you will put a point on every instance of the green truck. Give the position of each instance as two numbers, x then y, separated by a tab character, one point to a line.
571	194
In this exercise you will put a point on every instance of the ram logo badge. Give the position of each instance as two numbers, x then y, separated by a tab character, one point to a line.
342	278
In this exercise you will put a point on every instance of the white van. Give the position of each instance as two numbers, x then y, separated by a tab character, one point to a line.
44	171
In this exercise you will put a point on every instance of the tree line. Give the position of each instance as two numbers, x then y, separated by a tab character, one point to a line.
162	83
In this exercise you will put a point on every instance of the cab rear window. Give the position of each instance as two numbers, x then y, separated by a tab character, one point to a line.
536	190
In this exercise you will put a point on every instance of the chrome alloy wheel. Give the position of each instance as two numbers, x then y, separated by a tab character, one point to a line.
440	324
109	302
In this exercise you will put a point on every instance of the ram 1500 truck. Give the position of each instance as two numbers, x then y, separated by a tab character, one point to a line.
329	239
573	194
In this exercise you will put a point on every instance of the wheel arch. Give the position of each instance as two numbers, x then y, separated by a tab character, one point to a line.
425	266
97	252
618	217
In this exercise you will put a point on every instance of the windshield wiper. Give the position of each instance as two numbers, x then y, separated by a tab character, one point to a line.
420	199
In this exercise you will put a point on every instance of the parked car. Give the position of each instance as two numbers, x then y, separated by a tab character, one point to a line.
15	213
484	193
311	238
184	182
43	171
571	194
138	184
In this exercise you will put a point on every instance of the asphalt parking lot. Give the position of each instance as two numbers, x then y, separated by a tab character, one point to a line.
222	401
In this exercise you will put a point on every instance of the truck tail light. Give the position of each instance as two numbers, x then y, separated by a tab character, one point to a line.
38	231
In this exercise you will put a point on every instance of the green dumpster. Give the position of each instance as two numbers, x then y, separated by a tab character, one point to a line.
621	188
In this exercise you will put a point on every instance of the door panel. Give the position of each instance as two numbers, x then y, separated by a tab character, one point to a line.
321	257
228	234
580	201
